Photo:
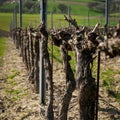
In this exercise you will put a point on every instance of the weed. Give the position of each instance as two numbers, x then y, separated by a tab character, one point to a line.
56	53
107	77
8	91
14	74
114	94
117	72
117	96
16	92
13	93
2	48
11	81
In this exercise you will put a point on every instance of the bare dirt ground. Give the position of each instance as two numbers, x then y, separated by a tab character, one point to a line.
19	102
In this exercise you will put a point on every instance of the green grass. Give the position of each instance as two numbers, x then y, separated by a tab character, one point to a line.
72	61
14	74
14	94
7	6
5	20
77	11
114	94
107	77
56	53
58	19
58	58
76	7
10	87
2	47
76	0
117	96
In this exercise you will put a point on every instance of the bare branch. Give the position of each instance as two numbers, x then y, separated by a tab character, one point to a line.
72	21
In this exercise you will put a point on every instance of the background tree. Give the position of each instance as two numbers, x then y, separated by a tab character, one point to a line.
63	8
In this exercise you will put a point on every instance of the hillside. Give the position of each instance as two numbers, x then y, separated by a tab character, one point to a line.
78	7
57	6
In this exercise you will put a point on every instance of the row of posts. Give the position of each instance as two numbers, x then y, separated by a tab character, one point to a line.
43	10
43	14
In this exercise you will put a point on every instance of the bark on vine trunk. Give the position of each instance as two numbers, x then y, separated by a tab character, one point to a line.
48	71
70	81
36	66
85	84
31	76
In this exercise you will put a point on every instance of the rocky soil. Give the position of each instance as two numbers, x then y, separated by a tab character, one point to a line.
18	101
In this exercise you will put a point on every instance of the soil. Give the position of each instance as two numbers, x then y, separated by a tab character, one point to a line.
18	101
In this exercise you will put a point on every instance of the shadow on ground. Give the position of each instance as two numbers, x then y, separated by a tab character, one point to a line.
113	111
4	33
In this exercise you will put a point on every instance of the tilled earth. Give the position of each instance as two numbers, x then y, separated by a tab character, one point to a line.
18	101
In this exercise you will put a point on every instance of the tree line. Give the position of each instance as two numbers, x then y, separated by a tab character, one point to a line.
33	6
99	5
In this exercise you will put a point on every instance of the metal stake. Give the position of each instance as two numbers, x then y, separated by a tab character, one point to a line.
69	15
107	14
42	81
98	78
106	20
51	20
20	12
88	17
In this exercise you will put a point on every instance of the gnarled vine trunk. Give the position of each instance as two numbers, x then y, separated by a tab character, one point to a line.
48	71
85	84
71	84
